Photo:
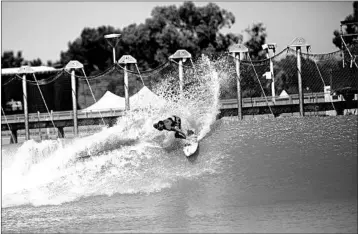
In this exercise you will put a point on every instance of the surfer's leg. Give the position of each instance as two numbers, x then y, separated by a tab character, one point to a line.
179	135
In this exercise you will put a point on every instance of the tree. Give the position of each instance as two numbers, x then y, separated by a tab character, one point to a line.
286	75
314	74
249	83
8	59
90	49
196	29
257	34
349	29
35	62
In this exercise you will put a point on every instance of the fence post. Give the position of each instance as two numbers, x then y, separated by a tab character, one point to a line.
61	133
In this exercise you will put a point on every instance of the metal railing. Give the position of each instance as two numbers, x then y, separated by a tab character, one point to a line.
225	104
62	115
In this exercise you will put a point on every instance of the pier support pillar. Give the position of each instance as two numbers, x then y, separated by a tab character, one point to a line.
60	132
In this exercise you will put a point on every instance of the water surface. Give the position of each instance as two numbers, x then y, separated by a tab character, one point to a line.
267	175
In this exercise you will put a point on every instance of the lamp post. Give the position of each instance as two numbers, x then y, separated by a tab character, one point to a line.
235	51
126	59
113	40
298	43
72	66
182	56
25	70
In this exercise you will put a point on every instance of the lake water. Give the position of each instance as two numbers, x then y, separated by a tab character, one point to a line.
265	175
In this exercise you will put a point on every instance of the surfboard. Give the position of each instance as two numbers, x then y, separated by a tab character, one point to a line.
191	145
190	148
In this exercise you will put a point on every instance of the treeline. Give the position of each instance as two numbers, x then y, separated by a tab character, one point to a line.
195	29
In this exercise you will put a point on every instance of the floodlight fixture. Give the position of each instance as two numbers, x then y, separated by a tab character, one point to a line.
113	40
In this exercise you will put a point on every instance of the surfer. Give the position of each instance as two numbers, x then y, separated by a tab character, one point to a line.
172	124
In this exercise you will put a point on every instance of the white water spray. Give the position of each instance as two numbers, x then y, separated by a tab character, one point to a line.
129	160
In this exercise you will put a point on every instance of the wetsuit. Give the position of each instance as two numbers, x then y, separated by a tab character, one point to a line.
171	124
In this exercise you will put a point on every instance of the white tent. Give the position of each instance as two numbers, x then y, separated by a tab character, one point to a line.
37	69
284	94
108	101
144	98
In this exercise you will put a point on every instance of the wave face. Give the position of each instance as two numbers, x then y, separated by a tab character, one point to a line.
133	157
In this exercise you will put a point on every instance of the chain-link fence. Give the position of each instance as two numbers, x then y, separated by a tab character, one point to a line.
337	70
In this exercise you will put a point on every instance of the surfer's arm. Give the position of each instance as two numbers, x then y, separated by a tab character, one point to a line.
178	130
180	134
177	121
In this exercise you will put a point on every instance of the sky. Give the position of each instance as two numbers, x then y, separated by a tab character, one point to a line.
44	29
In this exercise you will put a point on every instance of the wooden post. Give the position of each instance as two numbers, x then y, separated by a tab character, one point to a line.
74	102
26	111
126	87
